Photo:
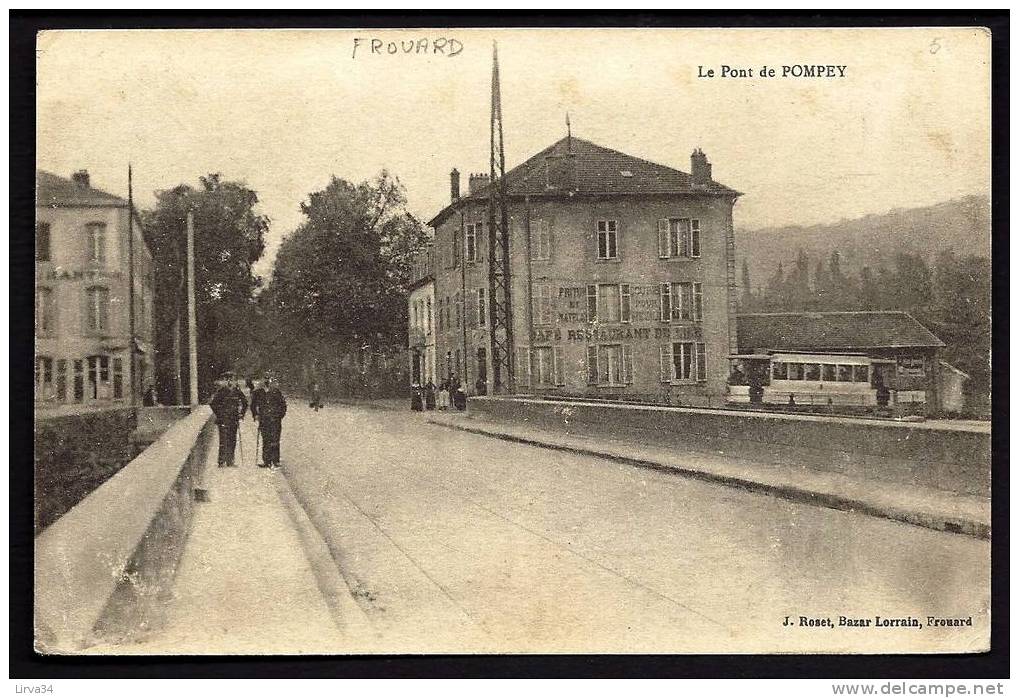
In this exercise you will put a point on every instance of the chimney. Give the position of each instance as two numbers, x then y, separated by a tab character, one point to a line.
476	182
81	178
700	169
454	185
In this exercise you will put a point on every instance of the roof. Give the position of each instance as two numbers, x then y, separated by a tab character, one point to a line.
53	191
832	331
599	171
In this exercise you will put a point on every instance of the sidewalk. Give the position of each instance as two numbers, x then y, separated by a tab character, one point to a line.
919	506
252	579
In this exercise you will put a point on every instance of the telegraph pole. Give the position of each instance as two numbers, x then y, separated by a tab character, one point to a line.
192	324
130	285
499	280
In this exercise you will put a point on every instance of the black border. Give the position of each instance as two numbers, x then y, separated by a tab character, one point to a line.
24	663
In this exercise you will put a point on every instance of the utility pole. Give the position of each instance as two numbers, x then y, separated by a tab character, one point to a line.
463	296
499	280
192	324
130	285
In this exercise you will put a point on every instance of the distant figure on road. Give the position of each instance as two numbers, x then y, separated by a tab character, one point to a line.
480	386
271	410
149	398
429	395
882	394
459	395
442	399
229	406
416	398
316	396
257	396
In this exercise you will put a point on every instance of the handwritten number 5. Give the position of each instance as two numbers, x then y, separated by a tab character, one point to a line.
935	45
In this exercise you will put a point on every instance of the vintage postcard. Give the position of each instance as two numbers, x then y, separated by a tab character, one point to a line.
513	341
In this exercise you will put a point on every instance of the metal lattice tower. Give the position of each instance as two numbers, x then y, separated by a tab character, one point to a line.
499	280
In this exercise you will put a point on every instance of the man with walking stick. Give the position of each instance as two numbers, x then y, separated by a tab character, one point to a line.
229	405
257	397
272	407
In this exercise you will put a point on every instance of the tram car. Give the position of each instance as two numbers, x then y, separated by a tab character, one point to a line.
793	378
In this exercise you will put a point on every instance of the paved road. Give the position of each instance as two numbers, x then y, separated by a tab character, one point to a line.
455	542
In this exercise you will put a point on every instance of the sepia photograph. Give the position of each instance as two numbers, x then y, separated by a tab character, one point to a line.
512	341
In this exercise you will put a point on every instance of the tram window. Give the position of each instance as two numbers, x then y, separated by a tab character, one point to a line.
828	372
795	372
860	374
845	373
812	372
780	370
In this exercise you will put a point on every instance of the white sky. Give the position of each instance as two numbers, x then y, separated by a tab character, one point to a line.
282	110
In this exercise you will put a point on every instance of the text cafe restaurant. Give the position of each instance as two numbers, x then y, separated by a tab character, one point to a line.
625	285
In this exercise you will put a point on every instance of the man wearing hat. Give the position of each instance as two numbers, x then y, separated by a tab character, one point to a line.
272	408
229	405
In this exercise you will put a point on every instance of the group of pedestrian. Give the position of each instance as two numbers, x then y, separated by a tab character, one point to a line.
267	406
450	393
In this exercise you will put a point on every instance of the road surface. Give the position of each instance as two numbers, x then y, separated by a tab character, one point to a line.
455	542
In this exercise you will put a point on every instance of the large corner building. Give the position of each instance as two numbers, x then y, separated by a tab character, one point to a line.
623	278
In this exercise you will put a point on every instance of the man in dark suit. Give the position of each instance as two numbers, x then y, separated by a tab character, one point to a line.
229	406
271	410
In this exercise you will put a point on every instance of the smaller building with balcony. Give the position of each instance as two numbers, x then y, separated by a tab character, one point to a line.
420	313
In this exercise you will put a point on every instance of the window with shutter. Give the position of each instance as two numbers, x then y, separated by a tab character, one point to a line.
541	240
686	304
608	302
558	366
544	314
482	308
523	368
665	363
624	302
695	238
592	302
702	362
698	301
628	364
96	243
666	302
663	238
592	364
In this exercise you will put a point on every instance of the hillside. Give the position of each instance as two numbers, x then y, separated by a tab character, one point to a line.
960	224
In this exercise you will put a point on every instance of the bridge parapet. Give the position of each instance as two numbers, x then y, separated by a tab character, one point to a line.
946	456
103	566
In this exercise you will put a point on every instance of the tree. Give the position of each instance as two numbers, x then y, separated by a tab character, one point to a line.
774	293
822	288
340	280
869	296
912	287
747	298
962	319
229	239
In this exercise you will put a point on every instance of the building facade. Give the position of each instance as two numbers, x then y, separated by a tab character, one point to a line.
421	317
83	342
623	277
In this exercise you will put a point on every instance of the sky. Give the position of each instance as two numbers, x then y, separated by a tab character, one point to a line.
282	110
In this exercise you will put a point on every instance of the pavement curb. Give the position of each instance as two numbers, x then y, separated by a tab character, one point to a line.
348	615
829	500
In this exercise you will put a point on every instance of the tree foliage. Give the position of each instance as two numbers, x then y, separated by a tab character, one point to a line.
229	239
340	280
